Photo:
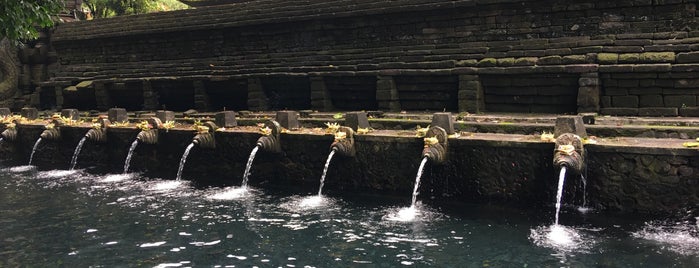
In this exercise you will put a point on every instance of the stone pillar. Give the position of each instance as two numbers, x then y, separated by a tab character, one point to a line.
471	97
320	97
59	96
589	93
257	99
150	97
201	98
102	100
387	94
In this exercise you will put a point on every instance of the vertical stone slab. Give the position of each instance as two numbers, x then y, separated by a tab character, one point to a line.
570	124
102	99
59	96
226	119
117	115
288	119
320	96
150	97
73	114
29	113
357	120
588	100
165	116
257	99
201	98
387	94
443	120
471	97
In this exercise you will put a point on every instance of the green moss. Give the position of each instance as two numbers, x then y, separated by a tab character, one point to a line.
487	62
506	62
658	57
607	58
526	61
629	57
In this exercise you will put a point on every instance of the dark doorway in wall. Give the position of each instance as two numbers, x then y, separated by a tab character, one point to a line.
287	92
428	92
352	92
47	98
227	94
82	99
126	95
174	95
531	93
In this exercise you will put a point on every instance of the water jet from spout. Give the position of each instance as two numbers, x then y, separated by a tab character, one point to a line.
325	171
417	181
129	155
74	159
183	160
31	156
248	165
559	193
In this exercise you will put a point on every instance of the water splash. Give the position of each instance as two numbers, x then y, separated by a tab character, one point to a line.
74	159
31	156
417	181
559	193
247	167
561	238
325	171
129	155
679	237
231	193
183	160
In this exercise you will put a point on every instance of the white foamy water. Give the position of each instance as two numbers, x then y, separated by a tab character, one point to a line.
404	214
230	193
167	186
312	201
117	177
561	238
682	238
56	173
21	169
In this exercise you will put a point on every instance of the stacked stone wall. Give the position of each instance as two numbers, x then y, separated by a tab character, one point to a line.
393	41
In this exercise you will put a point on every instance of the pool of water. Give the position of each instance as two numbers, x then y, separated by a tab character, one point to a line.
75	219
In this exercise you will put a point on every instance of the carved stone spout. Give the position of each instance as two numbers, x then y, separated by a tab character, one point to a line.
269	142
344	142
148	136
9	134
98	133
205	136
569	152
436	144
52	132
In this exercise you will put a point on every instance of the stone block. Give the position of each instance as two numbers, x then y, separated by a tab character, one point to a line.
607	58
657	57
570	124
356	120
550	60
629	57
619	111
688	57
117	115
226	119
687	83
288	119
680	100
650	101
5	111
505	62
487	62
588	81
443	120
588	99
689	111
573	59
29	113
73	114
165	116
657	111
625	101
526	61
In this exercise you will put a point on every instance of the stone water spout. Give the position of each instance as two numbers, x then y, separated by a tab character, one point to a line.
149	131
10	133
569	153
205	136
98	133
344	142
53	130
269	142
436	143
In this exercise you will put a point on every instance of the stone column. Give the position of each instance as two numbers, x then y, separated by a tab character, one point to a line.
102	100
59	96
150	97
387	94
320	97
471	97
589	93
201	98
257	99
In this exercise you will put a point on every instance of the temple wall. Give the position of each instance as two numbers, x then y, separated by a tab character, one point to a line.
614	57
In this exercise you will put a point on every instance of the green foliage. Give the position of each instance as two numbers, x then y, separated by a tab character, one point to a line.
111	8
19	18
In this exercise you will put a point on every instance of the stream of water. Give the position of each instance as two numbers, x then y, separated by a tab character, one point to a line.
183	160
31	156
325	171
248	165
74	159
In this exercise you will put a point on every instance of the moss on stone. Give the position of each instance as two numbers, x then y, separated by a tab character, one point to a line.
487	62
526	61
573	59
629	57
506	62
550	60
607	58
467	63
658	57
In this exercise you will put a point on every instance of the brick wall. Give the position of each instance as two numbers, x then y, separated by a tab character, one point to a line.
401	44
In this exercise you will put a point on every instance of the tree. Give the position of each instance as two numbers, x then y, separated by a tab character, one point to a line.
19	19
110	8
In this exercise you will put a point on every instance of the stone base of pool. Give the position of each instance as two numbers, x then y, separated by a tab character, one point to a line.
632	165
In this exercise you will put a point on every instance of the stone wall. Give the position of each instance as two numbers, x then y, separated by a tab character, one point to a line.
514	171
403	45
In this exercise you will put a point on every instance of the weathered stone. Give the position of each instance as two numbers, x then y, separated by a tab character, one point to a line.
357	120
689	111
650	101
526	61
573	59
570	124
73	114
619	111
29	113
443	120
680	101
226	119
117	115
607	58
688	57
288	119
5	111
625	101
165	116
550	60
588	99
629	58
657	111
655	57
487	62
505	62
